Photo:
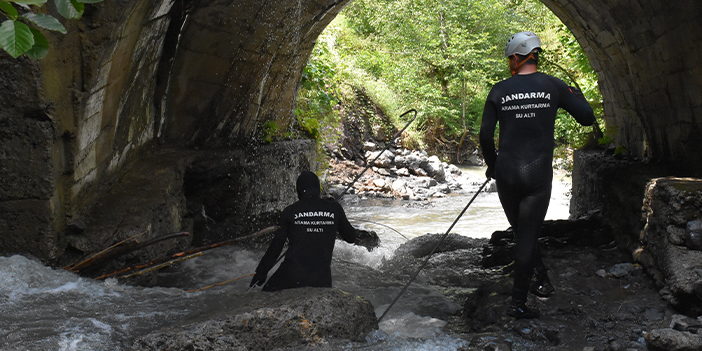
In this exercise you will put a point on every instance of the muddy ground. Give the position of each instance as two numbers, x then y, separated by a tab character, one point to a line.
602	302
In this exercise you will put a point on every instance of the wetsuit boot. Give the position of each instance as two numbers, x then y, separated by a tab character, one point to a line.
542	287
519	310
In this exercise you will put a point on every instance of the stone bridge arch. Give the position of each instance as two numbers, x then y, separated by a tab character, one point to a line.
643	51
650	76
135	74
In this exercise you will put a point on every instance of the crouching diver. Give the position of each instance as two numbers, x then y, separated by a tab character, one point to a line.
525	106
310	226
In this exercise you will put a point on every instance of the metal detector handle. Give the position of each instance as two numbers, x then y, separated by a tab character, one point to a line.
434	249
381	152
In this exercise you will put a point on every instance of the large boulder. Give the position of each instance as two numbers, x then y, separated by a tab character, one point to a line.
296	318
673	340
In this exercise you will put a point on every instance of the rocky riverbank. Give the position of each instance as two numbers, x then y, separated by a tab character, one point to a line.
396	173
292	319
604	301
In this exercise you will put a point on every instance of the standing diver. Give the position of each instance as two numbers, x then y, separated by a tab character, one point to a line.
310	226
525	106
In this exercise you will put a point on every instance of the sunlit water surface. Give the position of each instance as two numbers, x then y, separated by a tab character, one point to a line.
51	309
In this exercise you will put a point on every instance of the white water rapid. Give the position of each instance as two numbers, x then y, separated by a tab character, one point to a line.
51	309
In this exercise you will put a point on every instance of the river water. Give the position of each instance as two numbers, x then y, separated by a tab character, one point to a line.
51	309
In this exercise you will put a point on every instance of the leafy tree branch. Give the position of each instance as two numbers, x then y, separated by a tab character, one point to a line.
19	33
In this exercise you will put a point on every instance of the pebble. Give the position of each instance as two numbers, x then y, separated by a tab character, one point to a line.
621	269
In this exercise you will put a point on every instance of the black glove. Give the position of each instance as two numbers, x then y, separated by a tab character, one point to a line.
258	279
490	173
577	93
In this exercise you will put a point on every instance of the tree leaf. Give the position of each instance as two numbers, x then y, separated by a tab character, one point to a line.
41	45
30	2
45	21
15	38
89	1
8	9
70	9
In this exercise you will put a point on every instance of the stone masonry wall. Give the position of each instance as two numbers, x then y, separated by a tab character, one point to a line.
650	73
669	249
238	65
648	214
27	138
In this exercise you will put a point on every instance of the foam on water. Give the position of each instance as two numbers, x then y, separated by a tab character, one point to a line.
410	325
52	309
360	255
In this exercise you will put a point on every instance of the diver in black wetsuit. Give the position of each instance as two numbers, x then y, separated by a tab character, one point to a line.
525	107
310	226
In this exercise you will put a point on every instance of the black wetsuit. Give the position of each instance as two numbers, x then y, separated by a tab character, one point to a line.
310	226
525	107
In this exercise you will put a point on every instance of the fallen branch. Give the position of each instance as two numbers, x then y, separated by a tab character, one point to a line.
222	283
89	254
159	266
190	252
92	258
121	248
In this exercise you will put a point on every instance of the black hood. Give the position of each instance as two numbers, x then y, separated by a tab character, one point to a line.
307	185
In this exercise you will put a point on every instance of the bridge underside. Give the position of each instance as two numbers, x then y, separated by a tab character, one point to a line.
209	73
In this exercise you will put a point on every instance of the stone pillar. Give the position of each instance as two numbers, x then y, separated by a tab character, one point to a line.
670	251
647	59
231	193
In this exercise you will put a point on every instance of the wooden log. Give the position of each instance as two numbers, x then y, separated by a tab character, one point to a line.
191	251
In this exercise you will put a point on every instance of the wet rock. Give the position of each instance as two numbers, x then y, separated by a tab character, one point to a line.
672	340
621	269
403	172
399	187
423	245
337	191
683	323
475	160
412	162
674	203
676	235
693	235
425	182
489	342
76	227
434	168
297	318
382	159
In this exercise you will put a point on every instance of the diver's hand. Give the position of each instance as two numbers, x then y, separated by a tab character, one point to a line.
490	173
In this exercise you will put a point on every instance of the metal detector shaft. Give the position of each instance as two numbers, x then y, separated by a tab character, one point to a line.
381	152
434	249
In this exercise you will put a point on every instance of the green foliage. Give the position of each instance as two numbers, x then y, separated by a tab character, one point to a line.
620	151
309	125
17	38
269	132
316	99
440	58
